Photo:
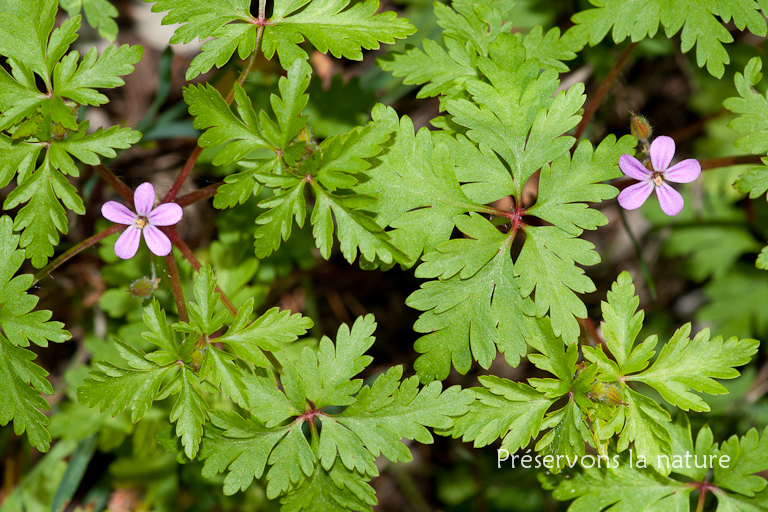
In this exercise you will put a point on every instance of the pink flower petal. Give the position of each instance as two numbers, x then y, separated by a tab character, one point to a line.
683	172
144	199
156	240
118	213
670	200
662	151
166	214
632	167
633	197
128	243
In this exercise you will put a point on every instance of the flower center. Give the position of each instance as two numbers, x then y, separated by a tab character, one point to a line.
141	222
657	179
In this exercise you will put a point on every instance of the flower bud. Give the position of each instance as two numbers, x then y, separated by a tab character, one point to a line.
614	396
143	288
640	127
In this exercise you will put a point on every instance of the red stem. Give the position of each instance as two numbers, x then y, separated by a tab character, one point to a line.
605	86
101	235
178	292
727	161
199	195
190	256
192	160
120	187
187	252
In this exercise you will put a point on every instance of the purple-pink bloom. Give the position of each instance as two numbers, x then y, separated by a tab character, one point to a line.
670	200
146	219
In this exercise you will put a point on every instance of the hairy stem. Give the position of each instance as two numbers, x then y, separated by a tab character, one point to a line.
639	254
98	237
192	160
178	293
605	86
119	187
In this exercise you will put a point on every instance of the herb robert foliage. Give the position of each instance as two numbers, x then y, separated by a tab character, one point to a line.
389	196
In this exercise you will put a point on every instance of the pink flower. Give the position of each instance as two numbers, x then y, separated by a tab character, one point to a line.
670	200
146	219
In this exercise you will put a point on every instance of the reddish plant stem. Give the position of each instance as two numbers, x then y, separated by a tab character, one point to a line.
605	86
728	161
199	195
101	235
178	292
183	175
120	187
190	256
192	160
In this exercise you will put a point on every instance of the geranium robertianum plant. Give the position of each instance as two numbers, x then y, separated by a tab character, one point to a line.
202	388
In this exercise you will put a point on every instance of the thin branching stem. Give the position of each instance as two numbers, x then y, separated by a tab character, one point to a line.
178	292
192	160
98	237
728	161
639	254
113	181
605	86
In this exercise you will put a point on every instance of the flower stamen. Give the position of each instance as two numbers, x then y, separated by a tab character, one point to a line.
141	222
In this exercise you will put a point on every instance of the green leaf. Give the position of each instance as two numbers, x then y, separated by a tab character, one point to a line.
227	21
503	409
21	382
622	488
240	446
515	114
697	18
269	404
355	230
79	82
87	147
34	20
417	190
753	109
161	332
189	413
328	372
747	456
18	321
754	182
621	320
205	320
99	13
330	25
547	264
268	332
390	410
444	71
213	114
735	303
684	364
116	388
646	426
567	435
570	182
276	223
474	308
226	375
329	491
43	217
